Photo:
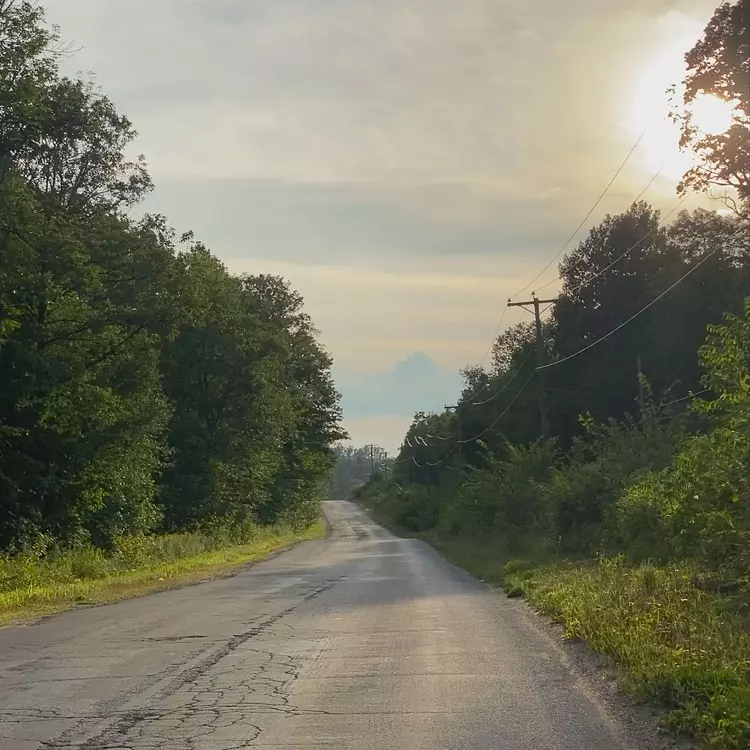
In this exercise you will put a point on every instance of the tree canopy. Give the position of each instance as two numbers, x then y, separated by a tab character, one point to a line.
142	385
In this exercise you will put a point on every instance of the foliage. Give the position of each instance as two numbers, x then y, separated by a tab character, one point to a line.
687	511
719	64
646	465
44	580
142	386
355	467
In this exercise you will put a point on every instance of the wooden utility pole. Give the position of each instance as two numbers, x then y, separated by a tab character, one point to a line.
372	462
541	359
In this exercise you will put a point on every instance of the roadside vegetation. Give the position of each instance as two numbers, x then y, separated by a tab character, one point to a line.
155	409
34	584
629	522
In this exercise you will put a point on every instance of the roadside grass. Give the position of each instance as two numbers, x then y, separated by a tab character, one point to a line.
683	648
33	586
678	646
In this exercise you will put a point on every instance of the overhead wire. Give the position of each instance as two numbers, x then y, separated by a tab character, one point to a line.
638	197
689	397
632	317
507	382
481	434
588	215
562	250
484	359
504	412
598	274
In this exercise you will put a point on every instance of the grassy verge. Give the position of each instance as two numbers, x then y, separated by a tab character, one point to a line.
32	586
679	646
682	648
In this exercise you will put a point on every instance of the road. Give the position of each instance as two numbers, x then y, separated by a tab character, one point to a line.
359	641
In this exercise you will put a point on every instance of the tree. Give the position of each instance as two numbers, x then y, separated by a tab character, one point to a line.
82	413
610	276
140	388
719	64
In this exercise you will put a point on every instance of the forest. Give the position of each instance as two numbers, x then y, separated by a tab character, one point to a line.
143	387
601	465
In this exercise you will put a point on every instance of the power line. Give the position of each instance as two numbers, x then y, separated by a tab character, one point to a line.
632	317
588	215
689	397
624	253
484	359
481	434
494	338
440	460
505	411
650	183
572	237
640	195
562	250
508	382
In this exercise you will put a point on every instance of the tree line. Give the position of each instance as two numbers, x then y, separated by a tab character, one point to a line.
649	443
355	467
143	387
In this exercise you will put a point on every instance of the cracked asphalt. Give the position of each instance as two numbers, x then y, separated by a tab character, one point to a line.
362	641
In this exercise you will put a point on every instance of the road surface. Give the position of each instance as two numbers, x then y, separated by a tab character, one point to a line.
359	641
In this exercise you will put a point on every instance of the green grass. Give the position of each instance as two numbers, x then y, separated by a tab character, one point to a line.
32	586
682	648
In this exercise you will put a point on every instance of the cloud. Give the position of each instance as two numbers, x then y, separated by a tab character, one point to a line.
381	91
407	164
357	224
413	384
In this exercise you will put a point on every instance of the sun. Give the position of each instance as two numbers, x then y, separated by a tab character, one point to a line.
649	105
712	115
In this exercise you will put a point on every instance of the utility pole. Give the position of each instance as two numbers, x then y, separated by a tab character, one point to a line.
540	354
372	462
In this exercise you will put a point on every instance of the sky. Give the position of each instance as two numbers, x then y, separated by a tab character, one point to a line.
408	165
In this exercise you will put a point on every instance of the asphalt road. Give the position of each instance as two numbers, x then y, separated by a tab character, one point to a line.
360	641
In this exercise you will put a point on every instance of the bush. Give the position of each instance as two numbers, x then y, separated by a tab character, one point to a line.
602	464
507	497
699	507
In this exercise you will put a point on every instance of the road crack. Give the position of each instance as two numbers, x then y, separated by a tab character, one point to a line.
203	707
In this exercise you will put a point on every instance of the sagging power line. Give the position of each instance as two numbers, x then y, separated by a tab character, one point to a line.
632	317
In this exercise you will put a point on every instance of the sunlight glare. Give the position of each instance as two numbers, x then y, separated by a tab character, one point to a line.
712	115
649	103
